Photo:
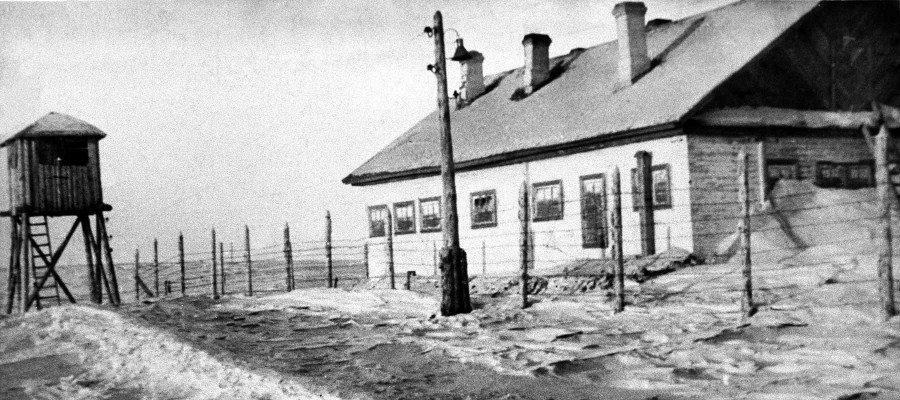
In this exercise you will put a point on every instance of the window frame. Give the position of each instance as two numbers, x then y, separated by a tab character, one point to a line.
396	222
843	178
369	210
839	181
440	221
781	162
534	203
635	201
603	232
854	183
472	196
668	201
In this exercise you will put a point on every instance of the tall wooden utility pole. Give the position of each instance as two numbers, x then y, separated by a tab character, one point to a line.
454	269
885	255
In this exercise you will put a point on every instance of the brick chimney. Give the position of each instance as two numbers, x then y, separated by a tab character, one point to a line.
632	38
537	61
472	78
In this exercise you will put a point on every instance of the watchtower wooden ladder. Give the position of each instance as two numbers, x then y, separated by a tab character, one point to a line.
33	277
40	232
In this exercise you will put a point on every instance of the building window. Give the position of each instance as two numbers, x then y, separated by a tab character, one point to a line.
430	209
484	209
62	151
807	171
845	175
548	201
861	174
404	217
377	220
661	186
830	174
593	212
781	169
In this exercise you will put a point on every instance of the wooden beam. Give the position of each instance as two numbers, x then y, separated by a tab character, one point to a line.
143	286
103	239
14	265
763	117
96	291
100	272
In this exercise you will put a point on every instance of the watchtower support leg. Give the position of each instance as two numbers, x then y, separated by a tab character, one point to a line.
25	272
101	273
15	267
93	279
103	238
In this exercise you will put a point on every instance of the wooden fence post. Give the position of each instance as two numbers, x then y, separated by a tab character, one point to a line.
366	258
644	178
215	272
231	261
761	167
288	258
408	284
617	251
249	260
137	265
222	265
668	237
181	262
328	262
747	306
524	218
483	258
885	253
156	267
390	246
434	252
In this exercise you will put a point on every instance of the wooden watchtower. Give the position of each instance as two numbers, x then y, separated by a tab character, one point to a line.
54	171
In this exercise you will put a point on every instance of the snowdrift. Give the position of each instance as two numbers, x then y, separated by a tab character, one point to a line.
805	225
114	353
373	301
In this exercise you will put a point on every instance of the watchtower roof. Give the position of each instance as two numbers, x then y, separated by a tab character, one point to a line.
56	124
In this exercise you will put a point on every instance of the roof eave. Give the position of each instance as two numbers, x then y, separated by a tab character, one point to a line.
537	153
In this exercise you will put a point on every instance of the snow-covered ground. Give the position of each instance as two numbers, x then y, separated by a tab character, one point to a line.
818	335
100	353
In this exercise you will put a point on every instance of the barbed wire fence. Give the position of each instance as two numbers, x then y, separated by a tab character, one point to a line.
497	254
273	268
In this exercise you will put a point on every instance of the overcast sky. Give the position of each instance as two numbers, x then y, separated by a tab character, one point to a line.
221	114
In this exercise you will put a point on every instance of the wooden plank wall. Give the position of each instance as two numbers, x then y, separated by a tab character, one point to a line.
54	189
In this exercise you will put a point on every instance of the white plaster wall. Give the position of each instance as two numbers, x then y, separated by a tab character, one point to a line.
555	241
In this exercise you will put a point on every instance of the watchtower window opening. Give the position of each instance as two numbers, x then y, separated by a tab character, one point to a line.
62	151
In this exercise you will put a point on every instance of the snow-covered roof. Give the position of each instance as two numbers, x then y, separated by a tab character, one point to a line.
55	125
582	102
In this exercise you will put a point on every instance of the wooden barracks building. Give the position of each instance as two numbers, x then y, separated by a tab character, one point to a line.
788	81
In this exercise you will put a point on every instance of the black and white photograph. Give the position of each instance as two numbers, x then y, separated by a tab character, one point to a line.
462	200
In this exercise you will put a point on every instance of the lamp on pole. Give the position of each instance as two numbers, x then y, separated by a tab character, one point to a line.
454	269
